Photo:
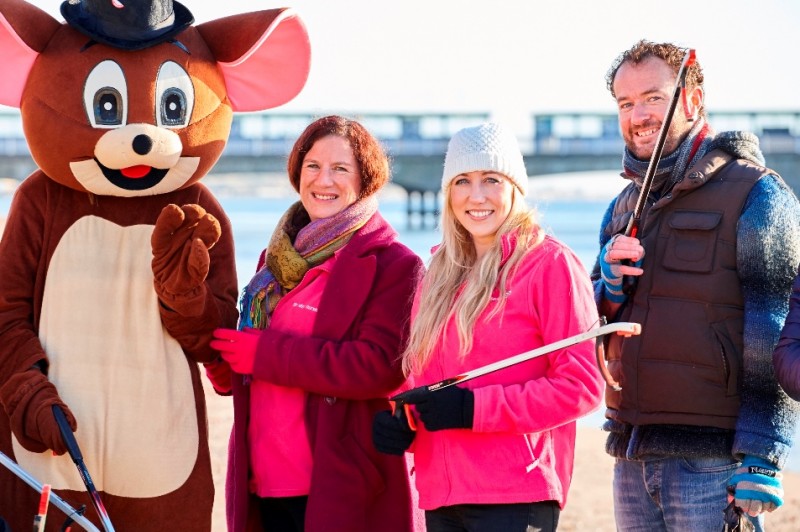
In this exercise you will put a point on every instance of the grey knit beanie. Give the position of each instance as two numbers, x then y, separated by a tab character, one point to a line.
489	146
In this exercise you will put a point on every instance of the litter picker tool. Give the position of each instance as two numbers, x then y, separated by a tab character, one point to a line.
74	515
77	457
734	518
400	402
632	230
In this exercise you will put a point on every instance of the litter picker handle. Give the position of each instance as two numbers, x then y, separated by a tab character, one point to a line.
77	457
629	282
402	410
401	402
67	435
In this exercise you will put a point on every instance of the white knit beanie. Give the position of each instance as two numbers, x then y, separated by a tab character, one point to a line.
488	146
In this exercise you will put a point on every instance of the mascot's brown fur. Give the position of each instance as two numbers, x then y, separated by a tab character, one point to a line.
116	264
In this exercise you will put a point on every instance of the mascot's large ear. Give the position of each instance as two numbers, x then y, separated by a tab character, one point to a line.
25	30
264	56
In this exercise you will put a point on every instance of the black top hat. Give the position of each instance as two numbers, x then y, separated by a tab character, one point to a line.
127	24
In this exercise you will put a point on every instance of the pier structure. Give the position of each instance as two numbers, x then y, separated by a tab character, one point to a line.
416	143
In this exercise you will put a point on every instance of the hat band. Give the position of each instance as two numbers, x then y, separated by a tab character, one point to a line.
127	32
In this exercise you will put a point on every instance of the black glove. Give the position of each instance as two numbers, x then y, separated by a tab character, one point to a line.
447	408
390	434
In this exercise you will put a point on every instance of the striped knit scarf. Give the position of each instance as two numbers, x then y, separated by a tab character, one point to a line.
671	167
296	246
700	140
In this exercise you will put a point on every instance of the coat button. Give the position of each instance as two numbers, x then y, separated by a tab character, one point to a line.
694	176
330	400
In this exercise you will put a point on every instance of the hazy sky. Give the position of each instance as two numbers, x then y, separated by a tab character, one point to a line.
514	58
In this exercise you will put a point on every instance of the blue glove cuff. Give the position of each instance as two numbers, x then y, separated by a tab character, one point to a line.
757	461
612	283
608	274
616	296
758	479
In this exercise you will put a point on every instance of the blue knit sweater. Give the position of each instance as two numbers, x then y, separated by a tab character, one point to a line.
768	253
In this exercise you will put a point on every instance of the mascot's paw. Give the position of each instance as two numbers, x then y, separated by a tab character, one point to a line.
28	399
181	240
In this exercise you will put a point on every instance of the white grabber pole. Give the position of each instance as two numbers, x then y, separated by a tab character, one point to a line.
57	501
623	328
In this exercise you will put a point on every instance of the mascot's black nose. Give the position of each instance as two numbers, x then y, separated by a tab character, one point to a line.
142	144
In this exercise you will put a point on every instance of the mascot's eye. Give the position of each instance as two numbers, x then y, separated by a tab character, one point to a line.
173	107
108	107
174	96
105	96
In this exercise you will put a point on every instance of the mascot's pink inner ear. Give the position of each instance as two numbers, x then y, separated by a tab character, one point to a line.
273	71
17	61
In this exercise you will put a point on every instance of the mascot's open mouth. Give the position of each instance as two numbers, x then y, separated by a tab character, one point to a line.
140	177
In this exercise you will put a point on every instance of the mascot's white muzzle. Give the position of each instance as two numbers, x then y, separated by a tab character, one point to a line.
136	160
137	145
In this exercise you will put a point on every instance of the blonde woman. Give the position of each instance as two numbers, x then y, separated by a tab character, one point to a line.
496	453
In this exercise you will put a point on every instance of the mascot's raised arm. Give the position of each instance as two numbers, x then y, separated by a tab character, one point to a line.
116	263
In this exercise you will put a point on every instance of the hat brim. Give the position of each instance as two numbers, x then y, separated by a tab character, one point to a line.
183	19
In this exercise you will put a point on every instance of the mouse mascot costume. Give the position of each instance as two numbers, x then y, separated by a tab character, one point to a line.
116	263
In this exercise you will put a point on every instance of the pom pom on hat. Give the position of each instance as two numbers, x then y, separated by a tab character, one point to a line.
490	147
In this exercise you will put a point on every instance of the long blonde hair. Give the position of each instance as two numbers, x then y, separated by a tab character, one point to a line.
459	285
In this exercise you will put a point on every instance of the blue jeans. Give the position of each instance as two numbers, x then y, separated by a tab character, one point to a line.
517	517
673	494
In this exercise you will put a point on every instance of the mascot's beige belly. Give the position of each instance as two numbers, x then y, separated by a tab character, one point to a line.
115	366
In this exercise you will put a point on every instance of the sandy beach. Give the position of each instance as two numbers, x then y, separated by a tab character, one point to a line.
589	506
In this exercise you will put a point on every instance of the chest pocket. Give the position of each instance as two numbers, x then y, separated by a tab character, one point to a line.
692	240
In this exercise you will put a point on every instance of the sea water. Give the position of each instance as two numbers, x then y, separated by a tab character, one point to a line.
572	218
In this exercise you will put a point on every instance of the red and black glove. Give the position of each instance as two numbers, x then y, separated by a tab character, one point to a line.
181	240
28	400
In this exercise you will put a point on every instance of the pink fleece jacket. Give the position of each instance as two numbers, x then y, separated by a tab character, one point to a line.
521	447
280	452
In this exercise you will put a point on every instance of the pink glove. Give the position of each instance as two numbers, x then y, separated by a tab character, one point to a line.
238	348
219	374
